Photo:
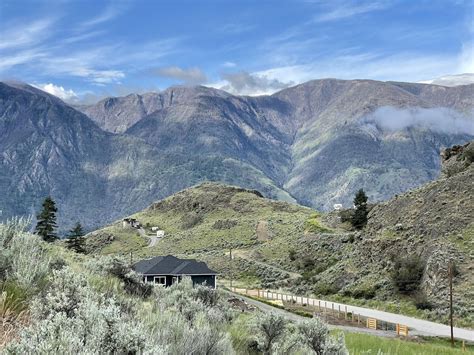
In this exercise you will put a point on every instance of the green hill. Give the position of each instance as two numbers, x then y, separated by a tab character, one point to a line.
281	245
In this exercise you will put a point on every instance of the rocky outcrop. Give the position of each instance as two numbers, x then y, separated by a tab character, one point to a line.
457	159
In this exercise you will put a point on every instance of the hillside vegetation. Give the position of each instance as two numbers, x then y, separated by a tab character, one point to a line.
53	301
282	245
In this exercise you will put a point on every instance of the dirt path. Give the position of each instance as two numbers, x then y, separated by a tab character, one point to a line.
243	254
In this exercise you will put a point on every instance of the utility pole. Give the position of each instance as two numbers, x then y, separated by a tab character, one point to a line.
450	275
231	269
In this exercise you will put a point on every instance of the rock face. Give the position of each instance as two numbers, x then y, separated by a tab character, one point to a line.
312	143
457	159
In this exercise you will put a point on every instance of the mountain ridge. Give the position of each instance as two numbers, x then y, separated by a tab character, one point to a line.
311	143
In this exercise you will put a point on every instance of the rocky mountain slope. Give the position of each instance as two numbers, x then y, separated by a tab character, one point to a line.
315	144
319	141
49	148
276	244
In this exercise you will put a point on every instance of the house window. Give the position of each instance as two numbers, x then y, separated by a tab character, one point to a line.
175	280
159	280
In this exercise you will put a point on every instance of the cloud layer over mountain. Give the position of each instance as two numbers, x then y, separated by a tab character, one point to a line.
442	120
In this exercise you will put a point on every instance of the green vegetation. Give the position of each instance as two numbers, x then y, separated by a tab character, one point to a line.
278	245
359	344
407	273
46	226
55	301
75	240
313	224
359	219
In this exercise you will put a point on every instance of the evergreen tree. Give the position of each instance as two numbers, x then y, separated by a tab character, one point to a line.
46	224
359	219
75	240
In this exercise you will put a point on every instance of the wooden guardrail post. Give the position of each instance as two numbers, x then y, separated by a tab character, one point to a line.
345	312
358	318
371	323
402	330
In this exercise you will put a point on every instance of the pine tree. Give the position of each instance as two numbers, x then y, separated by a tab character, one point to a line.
75	240
359	219
46	224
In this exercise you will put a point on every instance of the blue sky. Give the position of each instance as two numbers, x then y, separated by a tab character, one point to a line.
84	50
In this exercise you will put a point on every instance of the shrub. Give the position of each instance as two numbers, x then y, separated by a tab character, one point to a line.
422	302
324	288
133	284
72	318
270	328
11	228
407	273
292	255
29	263
315	336
190	220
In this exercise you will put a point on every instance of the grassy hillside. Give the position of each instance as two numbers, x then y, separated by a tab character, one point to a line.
207	220
281	245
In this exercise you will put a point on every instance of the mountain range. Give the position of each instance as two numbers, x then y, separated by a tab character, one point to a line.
314	143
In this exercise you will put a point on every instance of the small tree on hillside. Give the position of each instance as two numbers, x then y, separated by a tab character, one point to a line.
75	240
359	219
46	224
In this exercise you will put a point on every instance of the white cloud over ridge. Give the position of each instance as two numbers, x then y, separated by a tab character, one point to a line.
58	91
440	119
244	83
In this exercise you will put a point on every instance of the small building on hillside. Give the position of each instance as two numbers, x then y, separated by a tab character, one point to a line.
167	270
130	223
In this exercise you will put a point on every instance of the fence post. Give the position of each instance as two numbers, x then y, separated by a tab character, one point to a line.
339	312
345	312
319	305
358	318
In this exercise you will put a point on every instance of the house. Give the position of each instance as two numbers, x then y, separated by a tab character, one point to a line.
167	270
130	223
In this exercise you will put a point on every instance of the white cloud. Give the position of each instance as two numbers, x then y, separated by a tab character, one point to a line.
110	12
188	76
344	10
21	35
443	120
58	91
229	64
452	80
401	67
244	83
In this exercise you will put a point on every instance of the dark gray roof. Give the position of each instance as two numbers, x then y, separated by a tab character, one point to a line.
171	265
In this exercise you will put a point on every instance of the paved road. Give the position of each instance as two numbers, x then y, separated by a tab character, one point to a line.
417	326
297	318
153	238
